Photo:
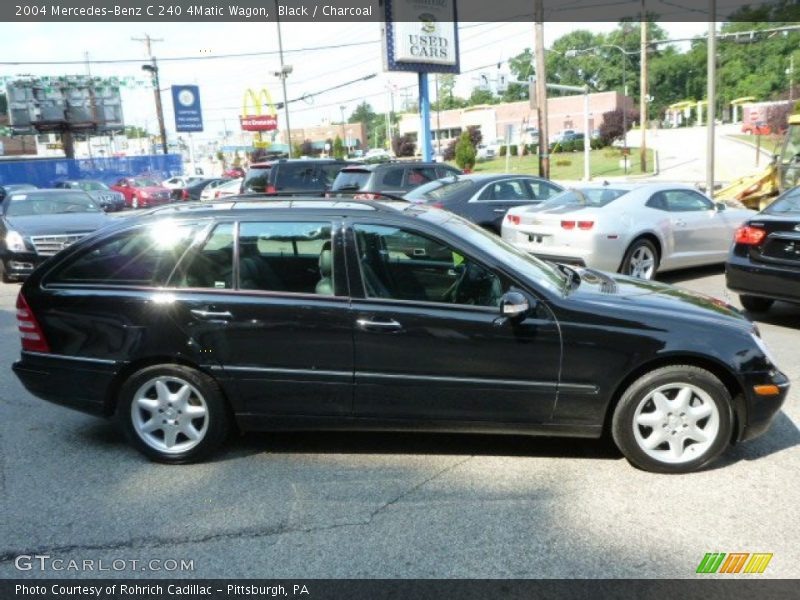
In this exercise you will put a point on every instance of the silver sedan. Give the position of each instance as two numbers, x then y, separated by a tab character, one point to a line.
637	230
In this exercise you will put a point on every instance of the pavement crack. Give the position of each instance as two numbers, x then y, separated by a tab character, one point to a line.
7	556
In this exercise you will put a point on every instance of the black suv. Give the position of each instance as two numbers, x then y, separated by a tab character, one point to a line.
292	175
396	178
321	314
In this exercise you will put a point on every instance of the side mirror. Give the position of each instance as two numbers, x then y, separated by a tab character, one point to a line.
514	305
720	206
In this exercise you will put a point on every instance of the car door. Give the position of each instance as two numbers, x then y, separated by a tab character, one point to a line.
488	207
429	344
270	298
699	232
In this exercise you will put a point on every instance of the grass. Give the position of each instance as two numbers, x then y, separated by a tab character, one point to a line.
604	163
770	142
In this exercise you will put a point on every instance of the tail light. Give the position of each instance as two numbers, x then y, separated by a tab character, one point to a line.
184	194
513	219
270	189
749	236
32	336
365	196
585	225
567	224
437	205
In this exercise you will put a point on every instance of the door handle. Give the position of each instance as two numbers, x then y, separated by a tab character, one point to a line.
390	325
502	210
210	314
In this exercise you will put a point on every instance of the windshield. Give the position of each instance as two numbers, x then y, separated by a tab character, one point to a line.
350	180
593	197
143	182
29	204
789	202
527	265
440	190
92	186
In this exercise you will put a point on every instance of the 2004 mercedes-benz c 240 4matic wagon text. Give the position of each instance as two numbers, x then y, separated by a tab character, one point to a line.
319	314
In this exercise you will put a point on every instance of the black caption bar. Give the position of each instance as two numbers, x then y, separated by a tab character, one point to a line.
331	11
377	589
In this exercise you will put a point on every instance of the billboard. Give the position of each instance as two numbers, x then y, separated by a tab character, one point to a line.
76	103
253	119
421	36
186	105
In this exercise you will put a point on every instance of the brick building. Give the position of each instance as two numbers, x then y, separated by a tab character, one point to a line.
354	135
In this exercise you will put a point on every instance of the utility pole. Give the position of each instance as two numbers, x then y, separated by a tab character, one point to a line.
438	122
284	73
643	93
153	69
541	91
93	102
791	77
712	96
344	133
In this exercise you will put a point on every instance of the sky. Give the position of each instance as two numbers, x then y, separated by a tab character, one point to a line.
223	81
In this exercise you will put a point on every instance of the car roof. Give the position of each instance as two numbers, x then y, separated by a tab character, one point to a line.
317	161
386	165
53	191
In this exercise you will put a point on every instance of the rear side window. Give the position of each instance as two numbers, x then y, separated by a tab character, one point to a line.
393	177
328	173
145	256
257	178
351	179
419	175
209	265
294	257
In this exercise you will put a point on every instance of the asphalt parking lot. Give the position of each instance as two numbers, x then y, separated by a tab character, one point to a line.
312	505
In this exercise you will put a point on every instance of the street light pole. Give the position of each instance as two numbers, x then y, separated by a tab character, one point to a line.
541	91
712	96
344	134
643	93
285	70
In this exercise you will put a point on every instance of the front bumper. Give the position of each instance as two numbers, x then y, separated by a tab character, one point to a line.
767	280
18	265
756	412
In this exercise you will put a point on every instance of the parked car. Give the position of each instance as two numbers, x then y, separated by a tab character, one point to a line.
378	155
569	136
484	152
211	188
36	224
194	191
484	199
756	128
182	181
638	230
292	175
104	196
764	261
388	178
231	188
153	322
234	173
10	188
142	192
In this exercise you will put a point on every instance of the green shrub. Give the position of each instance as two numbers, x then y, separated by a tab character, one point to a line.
465	152
514	149
502	151
563	163
577	145
557	147
612	153
568	146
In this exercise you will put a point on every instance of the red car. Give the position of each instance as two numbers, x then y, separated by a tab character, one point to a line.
234	173
141	192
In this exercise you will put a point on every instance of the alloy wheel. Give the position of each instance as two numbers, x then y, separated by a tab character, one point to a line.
169	414
676	423
642	263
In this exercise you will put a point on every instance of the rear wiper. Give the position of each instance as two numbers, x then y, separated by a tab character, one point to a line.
348	188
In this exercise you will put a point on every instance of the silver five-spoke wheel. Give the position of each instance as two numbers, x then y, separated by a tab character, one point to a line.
642	263
676	423
169	414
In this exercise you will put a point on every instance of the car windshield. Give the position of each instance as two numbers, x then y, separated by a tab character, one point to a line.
440	190
789	202
92	186
593	197
348	179
144	182
30	203
521	262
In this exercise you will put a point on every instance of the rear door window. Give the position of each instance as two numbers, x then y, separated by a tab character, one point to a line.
210	264
144	256
419	175
393	178
351	180
257	178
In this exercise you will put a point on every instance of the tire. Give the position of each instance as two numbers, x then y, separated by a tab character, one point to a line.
154	394
135	202
666	398
641	260
755	303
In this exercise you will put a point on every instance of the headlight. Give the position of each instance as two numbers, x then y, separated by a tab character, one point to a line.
144	194
14	242
764	348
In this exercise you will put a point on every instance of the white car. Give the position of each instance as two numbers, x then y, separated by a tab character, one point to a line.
211	188
231	188
637	230
181	181
378	154
484	152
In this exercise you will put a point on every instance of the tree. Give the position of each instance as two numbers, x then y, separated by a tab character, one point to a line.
363	113
403	145
481	96
136	132
475	135
465	152
307	148
777	116
338	148
611	129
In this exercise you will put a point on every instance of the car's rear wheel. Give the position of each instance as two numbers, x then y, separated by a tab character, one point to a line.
674	419
641	260
755	303
173	414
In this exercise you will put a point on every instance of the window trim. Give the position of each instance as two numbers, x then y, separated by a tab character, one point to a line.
475	198
691	193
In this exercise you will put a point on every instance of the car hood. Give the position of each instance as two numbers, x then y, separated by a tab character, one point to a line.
57	224
151	189
620	291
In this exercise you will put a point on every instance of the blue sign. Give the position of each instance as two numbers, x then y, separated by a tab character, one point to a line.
186	102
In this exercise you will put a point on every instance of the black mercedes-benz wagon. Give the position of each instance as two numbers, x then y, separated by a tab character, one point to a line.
193	320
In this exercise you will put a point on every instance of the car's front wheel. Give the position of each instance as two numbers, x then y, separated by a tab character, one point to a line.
674	419
173	414
755	303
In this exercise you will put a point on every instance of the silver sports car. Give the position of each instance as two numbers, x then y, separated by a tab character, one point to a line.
634	229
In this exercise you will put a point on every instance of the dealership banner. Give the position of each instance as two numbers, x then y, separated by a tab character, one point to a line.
186	102
420	36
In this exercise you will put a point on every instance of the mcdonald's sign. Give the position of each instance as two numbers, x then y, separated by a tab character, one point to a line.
255	120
